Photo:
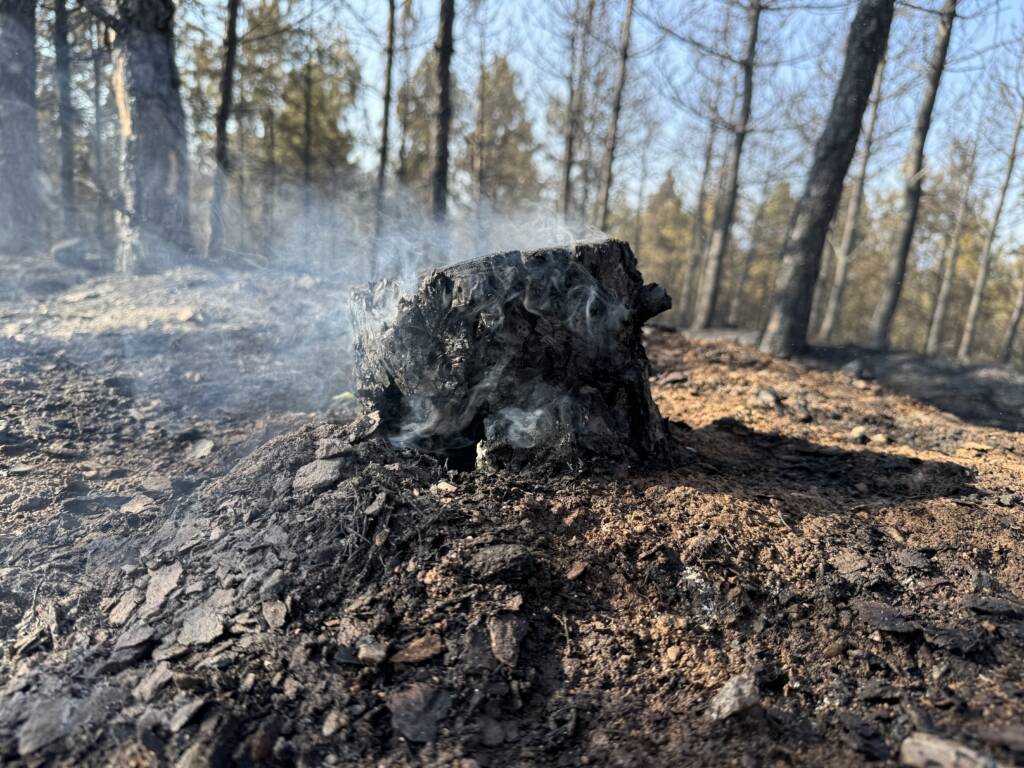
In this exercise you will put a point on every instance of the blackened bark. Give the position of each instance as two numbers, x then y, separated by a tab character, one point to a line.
65	115
949	259
444	47
20	193
978	294
155	226
848	243
516	358
790	314
385	124
608	162
707	294
222	155
881	321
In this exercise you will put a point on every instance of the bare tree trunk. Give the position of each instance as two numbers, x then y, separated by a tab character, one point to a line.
1011	332
385	124
270	184
243	194
949	258
156	227
65	115
401	172
608	162
98	155
736	302
445	47
20	193
707	295
641	192
215	248
790	314
697	233
881	321
848	243
978	294
307	141
579	42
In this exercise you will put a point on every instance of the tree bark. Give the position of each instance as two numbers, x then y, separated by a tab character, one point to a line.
403	93
222	155
697	233
736	302
155	225
579	42
20	192
608	162
790	314
307	140
65	115
881	321
949	260
1011	332
385	125
848	243
978	294
269	184
444	47
98	153
707	295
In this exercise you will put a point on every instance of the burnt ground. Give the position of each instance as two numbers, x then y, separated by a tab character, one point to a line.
202	561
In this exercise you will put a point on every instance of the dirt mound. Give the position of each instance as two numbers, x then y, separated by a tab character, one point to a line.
786	594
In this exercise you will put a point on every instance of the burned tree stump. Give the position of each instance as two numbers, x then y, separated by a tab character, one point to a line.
516	359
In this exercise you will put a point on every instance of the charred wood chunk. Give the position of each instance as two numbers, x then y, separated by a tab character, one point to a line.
516	359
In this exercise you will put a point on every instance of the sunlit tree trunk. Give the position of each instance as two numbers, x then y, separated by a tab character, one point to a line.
950	257
222	156
20	192
155	227
707	294
790	314
445	47
978	294
608	161
848	242
385	125
881	321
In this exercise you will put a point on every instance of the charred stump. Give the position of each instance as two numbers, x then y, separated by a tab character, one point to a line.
516	359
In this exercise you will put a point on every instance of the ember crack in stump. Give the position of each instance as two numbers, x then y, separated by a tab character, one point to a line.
516	358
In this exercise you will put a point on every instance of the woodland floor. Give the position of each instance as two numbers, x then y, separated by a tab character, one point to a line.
831	565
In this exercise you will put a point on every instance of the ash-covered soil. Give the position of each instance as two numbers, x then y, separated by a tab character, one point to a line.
828	568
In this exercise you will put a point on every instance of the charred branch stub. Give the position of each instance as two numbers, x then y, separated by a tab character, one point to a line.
516	358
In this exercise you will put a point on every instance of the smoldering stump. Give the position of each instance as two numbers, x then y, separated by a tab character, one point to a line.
516	358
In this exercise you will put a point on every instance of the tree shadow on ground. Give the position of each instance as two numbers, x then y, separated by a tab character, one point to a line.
729	457
986	395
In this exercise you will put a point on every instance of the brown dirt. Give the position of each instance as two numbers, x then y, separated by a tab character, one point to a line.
378	609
